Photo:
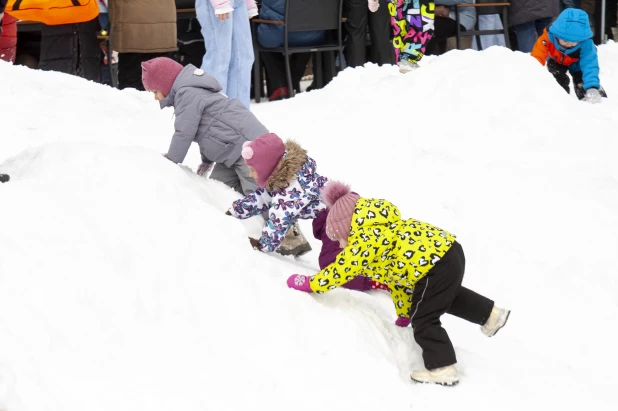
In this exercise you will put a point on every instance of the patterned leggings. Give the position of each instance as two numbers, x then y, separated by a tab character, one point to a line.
412	22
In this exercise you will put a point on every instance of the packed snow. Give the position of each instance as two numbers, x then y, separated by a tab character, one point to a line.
123	286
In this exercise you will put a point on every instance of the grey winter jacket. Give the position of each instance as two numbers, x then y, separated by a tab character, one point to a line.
220	125
524	11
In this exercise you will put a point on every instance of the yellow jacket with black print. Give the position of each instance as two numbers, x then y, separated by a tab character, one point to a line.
392	251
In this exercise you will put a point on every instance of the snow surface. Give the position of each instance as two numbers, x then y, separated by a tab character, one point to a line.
123	286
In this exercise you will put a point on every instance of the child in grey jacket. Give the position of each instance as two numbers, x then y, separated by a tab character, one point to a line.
218	124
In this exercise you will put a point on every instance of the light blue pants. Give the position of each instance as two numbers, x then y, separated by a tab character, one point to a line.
229	49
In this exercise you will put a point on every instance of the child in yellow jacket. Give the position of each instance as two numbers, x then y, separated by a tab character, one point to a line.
422	265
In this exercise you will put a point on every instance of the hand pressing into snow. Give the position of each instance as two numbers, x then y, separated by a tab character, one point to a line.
593	96
300	282
374	5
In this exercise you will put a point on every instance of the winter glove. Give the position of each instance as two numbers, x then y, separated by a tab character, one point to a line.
203	168
255	244
374	5
252	12
402	322
300	282
593	96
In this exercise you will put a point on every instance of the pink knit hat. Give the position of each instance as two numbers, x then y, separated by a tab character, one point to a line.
159	74
263	155
341	203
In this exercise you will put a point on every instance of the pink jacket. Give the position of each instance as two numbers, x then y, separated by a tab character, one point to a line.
223	6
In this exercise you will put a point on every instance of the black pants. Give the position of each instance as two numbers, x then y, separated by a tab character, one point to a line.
130	68
439	292
72	49
275	70
358	17
559	71
443	29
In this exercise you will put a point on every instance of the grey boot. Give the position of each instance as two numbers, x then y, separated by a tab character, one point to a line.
294	243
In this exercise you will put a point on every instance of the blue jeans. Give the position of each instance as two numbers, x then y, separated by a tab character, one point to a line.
527	33
229	49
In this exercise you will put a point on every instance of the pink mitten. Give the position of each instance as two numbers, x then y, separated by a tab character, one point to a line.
300	282
402	322
374	5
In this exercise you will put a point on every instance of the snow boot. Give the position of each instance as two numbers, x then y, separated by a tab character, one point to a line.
4	178
406	66
443	376
294	243
497	319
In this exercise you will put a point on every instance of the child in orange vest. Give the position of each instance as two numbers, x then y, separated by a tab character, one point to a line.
567	46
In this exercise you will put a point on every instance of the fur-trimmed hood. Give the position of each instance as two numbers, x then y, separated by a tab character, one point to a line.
288	167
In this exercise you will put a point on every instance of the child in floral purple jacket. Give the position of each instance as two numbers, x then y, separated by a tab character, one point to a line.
289	190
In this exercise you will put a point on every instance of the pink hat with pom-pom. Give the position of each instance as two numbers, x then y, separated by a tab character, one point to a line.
263	155
341	202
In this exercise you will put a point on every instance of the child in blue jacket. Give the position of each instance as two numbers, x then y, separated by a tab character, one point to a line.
567	46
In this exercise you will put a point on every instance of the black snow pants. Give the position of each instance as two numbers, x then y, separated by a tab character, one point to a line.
439	292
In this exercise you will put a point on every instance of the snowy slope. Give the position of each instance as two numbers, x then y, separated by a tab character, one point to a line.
124	287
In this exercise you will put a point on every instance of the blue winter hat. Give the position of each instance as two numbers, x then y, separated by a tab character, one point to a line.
572	25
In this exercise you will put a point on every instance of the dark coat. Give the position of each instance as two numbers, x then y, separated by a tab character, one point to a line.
72	49
330	250
524	11
271	35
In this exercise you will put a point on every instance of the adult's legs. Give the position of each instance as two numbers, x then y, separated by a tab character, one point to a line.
241	60
380	31
526	36
356	27
130	68
218	41
275	70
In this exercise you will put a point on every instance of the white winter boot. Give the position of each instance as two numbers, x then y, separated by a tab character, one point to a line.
443	376
406	66
497	319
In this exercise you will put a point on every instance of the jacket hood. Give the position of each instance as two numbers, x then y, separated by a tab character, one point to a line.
571	25
388	216
287	168
191	76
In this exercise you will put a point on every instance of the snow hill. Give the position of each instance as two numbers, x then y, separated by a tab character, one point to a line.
124	287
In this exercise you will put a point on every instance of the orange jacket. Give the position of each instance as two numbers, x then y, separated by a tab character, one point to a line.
53	12
545	48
